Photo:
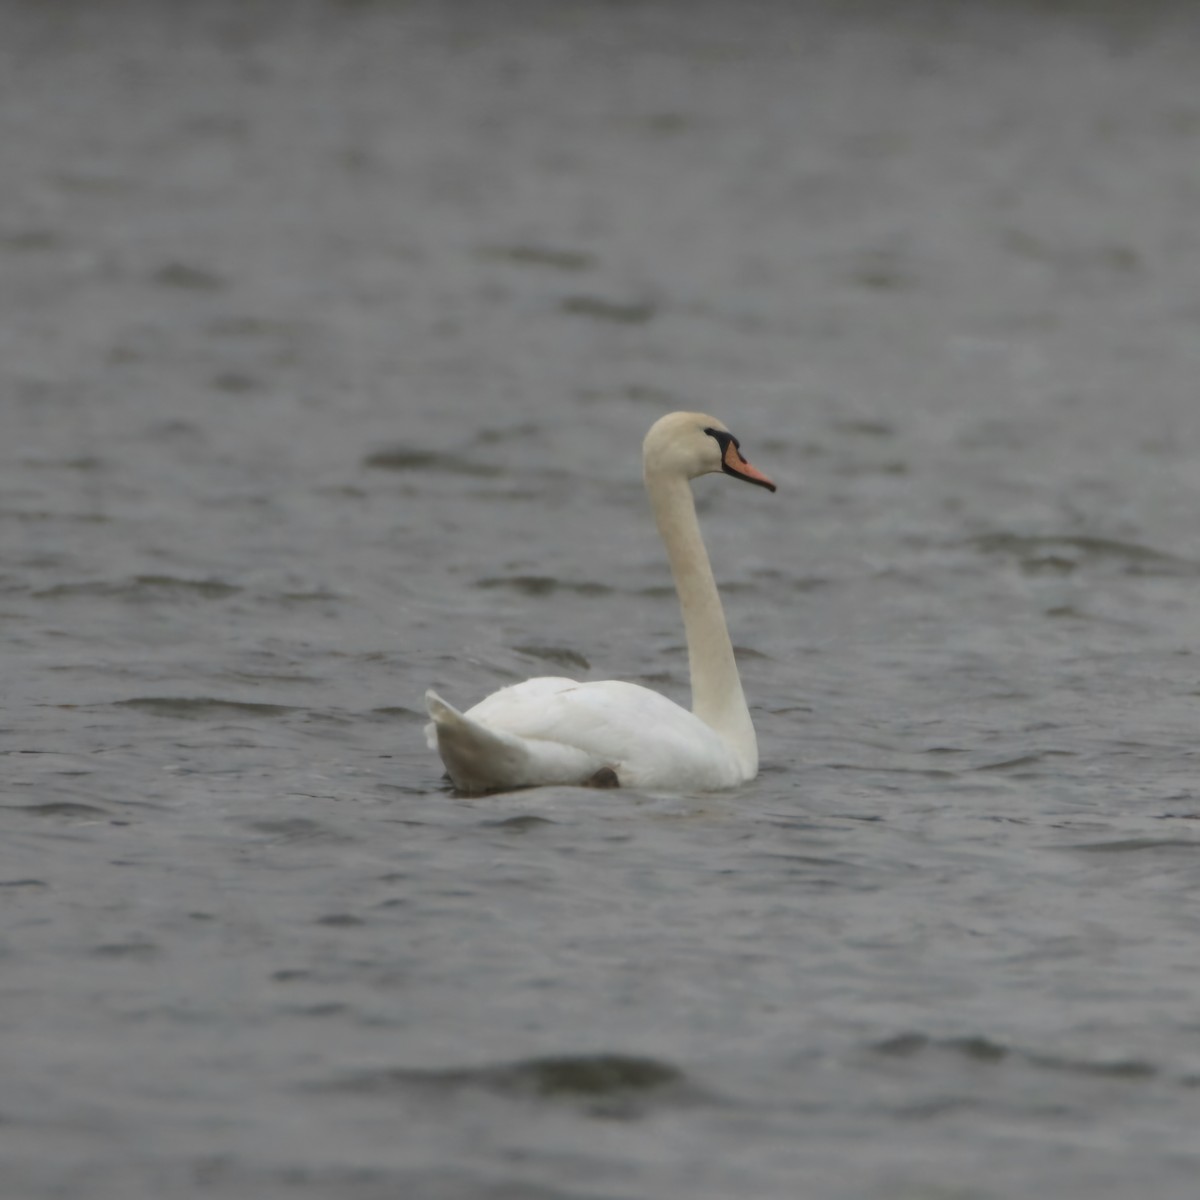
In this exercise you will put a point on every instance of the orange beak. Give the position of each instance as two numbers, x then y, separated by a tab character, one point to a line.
734	464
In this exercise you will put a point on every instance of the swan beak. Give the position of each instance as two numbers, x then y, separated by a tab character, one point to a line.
732	463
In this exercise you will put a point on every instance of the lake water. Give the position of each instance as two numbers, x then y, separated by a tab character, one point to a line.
330	334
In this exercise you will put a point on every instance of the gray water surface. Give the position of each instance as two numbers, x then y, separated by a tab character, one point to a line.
328	337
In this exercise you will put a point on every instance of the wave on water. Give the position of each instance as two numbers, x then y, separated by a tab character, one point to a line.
980	1049
61	808
560	656
406	458
603	1084
528	254
1071	552
140	587
202	707
1126	845
544	585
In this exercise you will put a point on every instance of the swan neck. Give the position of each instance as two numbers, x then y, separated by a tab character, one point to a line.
717	697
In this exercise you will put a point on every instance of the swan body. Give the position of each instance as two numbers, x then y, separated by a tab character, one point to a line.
553	730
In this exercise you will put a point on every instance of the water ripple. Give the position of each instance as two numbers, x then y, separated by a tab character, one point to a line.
406	458
604	1084
202	707
59	808
980	1049
1066	553
543	585
1126	845
140	587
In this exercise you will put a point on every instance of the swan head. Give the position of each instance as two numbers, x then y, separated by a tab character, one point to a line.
688	444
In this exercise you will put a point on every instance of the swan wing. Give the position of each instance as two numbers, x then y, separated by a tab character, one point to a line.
557	730
483	758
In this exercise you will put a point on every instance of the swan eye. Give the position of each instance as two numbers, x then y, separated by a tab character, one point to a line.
723	439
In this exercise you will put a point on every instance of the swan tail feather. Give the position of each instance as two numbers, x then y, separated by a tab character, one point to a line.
440	713
480	758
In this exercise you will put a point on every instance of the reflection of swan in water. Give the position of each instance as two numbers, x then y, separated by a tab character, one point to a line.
552	730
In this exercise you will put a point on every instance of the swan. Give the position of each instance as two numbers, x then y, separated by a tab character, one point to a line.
609	733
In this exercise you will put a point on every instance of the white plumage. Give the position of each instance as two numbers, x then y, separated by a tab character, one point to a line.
553	730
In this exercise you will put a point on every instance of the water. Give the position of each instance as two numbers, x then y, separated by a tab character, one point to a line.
329	340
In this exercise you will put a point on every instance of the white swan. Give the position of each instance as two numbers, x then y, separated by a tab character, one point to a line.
609	733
